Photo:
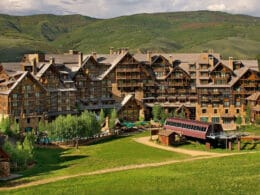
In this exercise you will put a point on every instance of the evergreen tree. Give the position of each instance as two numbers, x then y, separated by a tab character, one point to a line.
156	111
163	116
5	124
239	120
16	127
101	117
248	113
112	120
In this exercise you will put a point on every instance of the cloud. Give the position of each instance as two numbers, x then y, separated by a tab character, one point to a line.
217	7
113	8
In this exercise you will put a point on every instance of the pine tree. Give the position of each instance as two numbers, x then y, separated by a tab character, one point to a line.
101	117
239	120
112	120
156	111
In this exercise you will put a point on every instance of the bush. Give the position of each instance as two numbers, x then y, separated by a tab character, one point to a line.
21	155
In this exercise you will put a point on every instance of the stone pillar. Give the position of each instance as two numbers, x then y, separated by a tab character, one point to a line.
4	169
238	145
208	146
230	145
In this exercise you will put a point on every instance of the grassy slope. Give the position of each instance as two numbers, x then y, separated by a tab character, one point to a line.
214	176
19	35
235	35
119	152
190	31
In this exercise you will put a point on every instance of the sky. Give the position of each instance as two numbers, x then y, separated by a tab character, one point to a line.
114	8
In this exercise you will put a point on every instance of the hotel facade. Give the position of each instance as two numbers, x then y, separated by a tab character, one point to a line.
204	86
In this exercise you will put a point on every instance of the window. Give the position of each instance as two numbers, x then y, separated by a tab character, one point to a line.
238	111
226	111
226	104
28	120
215	119
238	104
204	119
204	111
215	111
15	96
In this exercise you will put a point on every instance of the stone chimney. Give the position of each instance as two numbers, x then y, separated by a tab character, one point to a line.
111	50
149	56
52	60
170	59
34	66
94	54
211	60
230	62
80	60
119	51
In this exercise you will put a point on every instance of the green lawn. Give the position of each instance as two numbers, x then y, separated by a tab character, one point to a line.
113	153
239	174
251	129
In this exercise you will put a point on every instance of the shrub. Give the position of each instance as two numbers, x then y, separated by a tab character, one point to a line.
20	154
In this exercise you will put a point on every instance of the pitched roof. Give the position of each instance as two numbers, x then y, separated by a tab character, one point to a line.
254	96
126	99
113	65
12	66
44	68
16	82
166	132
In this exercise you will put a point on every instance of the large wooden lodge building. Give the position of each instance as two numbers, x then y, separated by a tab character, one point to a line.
207	88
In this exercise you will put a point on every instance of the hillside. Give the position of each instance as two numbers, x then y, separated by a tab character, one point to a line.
236	35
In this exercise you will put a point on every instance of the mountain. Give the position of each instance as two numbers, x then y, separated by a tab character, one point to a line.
236	35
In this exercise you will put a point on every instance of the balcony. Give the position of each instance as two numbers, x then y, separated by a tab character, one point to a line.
204	93
128	77
216	92
149	84
130	84
128	69
215	99
182	91
250	85
204	99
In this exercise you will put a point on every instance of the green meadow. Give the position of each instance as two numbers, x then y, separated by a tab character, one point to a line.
239	174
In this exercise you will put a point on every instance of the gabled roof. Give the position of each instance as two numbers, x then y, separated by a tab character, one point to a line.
113	65
177	68
25	73
254	96
166	132
221	64
155	58
44	68
126	99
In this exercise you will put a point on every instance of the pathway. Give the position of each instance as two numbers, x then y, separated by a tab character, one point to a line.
146	141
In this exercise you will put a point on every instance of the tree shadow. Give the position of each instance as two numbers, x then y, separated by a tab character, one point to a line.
246	145
46	160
